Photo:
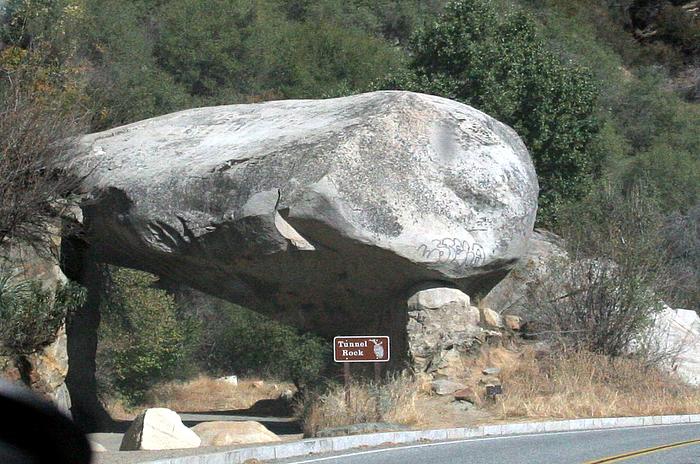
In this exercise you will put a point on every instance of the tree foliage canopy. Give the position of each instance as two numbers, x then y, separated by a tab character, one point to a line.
501	65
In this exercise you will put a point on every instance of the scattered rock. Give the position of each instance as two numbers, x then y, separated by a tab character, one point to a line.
492	333
491	371
463	406
491	318
466	394
490	380
225	433
359	429
158	429
258	384
445	387
232	379
513	322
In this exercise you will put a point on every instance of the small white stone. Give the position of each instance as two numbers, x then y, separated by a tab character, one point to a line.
232	379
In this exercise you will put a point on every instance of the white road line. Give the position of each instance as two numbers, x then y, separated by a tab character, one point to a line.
455	442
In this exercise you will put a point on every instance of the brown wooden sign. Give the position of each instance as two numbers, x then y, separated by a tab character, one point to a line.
361	349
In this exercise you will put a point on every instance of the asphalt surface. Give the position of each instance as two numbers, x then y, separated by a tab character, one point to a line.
592	446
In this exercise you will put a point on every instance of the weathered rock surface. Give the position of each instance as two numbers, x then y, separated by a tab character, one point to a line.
322	213
225	433
513	322
491	318
97	447
446	387
510	295
441	298
441	330
158	429
467	394
230	379
46	370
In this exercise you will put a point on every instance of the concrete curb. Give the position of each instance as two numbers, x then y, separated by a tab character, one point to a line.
335	444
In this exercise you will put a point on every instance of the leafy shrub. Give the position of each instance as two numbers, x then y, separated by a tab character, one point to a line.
500	64
250	343
668	174
682	238
125	83
237	51
644	111
143	339
30	316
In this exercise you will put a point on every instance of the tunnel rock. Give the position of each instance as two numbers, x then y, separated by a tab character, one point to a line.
322	213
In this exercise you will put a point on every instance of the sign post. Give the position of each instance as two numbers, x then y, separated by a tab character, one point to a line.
361	349
346	381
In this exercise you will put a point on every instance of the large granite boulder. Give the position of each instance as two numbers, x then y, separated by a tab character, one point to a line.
545	250
322	213
227	433
675	339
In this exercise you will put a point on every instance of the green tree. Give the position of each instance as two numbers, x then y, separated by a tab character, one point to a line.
202	43
250	343
226	51
143	338
125	82
500	64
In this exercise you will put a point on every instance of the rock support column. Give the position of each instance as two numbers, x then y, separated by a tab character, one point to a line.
442	326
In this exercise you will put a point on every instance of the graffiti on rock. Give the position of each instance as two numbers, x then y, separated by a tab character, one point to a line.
453	251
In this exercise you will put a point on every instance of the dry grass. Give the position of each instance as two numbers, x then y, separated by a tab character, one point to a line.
582	384
395	402
202	394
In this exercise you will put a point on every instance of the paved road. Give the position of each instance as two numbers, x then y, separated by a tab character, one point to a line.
595	446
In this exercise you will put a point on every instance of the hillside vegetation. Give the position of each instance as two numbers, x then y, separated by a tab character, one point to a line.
604	93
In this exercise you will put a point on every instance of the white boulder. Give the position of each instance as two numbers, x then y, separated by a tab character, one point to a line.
225	433
675	337
158	429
